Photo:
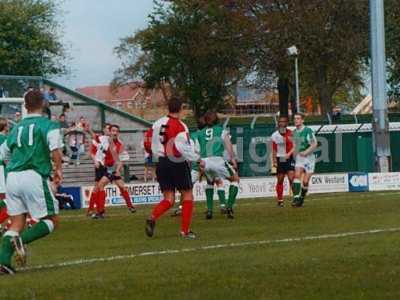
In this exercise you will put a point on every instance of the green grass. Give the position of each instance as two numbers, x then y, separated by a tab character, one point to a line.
354	267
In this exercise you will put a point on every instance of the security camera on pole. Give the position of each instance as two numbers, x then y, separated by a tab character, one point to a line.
294	52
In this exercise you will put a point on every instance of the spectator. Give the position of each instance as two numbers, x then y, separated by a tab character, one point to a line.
17	117
63	122
49	97
54	118
149	167
76	140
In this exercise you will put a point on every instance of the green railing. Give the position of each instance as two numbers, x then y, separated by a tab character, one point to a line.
15	86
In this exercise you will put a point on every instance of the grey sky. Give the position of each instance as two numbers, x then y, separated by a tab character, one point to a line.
92	29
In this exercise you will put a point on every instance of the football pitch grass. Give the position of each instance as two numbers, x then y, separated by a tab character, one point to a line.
339	246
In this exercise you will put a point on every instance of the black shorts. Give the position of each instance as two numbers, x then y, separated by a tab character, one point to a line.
102	171
285	165
173	176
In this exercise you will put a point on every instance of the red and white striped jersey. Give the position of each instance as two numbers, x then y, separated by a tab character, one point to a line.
171	139
282	144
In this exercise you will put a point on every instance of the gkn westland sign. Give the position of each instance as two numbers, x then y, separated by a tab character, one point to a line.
358	182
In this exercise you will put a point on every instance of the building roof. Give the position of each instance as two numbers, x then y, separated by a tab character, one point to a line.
105	92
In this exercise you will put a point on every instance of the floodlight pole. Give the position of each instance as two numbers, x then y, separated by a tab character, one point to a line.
381	136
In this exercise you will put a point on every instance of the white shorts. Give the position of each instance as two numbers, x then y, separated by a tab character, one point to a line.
217	168
29	192
195	176
2	180
307	163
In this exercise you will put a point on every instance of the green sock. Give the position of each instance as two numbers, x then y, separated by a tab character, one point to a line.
304	191
2	204
210	197
6	249
296	188
37	231
233	192
221	197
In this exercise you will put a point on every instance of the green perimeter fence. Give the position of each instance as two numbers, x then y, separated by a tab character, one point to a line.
342	148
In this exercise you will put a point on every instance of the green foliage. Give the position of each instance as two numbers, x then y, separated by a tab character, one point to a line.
30	42
392	15
332	38
199	49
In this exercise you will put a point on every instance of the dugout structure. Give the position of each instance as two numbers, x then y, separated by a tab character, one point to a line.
12	89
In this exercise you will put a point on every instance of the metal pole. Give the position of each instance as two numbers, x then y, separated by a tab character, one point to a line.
296	66
381	135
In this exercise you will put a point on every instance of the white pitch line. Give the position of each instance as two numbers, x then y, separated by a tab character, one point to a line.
85	261
246	202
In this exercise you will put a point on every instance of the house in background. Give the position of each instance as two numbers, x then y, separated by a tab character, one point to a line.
133	97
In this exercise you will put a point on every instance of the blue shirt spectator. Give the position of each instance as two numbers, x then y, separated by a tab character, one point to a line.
50	96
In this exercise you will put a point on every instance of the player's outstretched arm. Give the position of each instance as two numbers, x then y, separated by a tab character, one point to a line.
274	154
313	145
56	156
229	149
4	152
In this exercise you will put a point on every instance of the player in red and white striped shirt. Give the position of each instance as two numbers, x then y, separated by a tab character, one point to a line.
282	156
97	157
173	152
110	171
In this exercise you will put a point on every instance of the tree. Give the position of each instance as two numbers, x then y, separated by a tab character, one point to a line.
392	15
332	37
30	41
199	49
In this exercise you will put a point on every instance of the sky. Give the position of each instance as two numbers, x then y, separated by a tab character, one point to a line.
92	28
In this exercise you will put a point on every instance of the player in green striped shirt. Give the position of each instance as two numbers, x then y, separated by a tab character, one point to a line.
30	149
305	145
214	141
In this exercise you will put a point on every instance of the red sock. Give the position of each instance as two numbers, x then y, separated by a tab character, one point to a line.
187	212
279	191
127	198
160	209
101	201
3	215
92	201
